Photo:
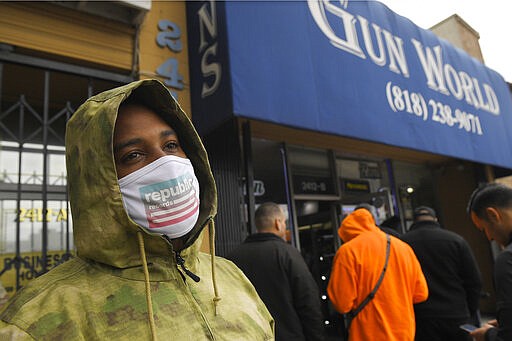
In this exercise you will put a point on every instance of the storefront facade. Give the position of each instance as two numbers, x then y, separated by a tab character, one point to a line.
318	112
319	106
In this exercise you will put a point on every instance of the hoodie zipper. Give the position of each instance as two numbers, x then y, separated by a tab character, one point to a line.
180	262
192	300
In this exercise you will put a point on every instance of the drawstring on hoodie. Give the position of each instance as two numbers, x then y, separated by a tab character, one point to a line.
211	232
148	288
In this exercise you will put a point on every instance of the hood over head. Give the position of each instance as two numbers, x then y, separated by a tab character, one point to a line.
357	222
103	231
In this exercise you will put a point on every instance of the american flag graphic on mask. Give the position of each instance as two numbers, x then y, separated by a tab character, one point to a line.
170	202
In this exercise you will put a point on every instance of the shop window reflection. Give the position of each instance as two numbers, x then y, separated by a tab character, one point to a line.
57	170
31	217
9	166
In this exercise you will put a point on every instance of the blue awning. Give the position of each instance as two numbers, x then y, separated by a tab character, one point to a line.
349	68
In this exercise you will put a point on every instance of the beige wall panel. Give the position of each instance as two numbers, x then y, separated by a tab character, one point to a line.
152	55
461	34
341	145
61	31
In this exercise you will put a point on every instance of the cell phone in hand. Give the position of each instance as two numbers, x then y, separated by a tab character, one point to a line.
468	327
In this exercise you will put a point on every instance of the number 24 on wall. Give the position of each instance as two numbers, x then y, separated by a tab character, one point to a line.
170	36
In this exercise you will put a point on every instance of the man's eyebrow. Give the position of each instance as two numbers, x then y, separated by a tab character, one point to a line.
122	145
166	133
137	140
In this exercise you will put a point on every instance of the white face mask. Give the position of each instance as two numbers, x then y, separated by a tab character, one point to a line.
163	197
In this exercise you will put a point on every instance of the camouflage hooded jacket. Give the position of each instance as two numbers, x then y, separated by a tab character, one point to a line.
103	293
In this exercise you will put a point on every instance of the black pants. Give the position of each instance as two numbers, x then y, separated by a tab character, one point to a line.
437	329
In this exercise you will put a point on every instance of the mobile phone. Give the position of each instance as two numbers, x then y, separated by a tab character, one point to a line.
468	327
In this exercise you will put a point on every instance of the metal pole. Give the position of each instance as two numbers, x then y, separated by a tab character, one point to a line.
290	196
45	170
249	177
1	82
68	212
17	262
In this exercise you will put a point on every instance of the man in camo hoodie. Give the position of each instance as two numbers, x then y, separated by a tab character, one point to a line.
142	194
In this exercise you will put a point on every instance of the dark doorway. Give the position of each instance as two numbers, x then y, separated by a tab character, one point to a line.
318	223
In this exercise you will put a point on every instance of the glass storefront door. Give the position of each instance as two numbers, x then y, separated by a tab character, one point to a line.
308	183
22	240
35	224
35	221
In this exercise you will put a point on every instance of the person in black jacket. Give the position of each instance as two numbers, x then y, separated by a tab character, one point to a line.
281	277
490	207
452	275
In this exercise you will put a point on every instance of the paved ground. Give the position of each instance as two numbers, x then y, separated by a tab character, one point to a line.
484	318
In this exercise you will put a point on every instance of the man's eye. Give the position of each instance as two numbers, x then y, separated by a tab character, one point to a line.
131	156
172	146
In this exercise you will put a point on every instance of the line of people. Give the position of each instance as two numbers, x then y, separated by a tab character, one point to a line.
444	294
431	284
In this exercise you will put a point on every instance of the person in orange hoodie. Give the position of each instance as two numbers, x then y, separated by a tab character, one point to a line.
357	266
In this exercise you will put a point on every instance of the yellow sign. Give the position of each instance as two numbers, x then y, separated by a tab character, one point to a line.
36	214
30	264
359	186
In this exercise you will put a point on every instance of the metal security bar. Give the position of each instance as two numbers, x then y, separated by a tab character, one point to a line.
32	129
